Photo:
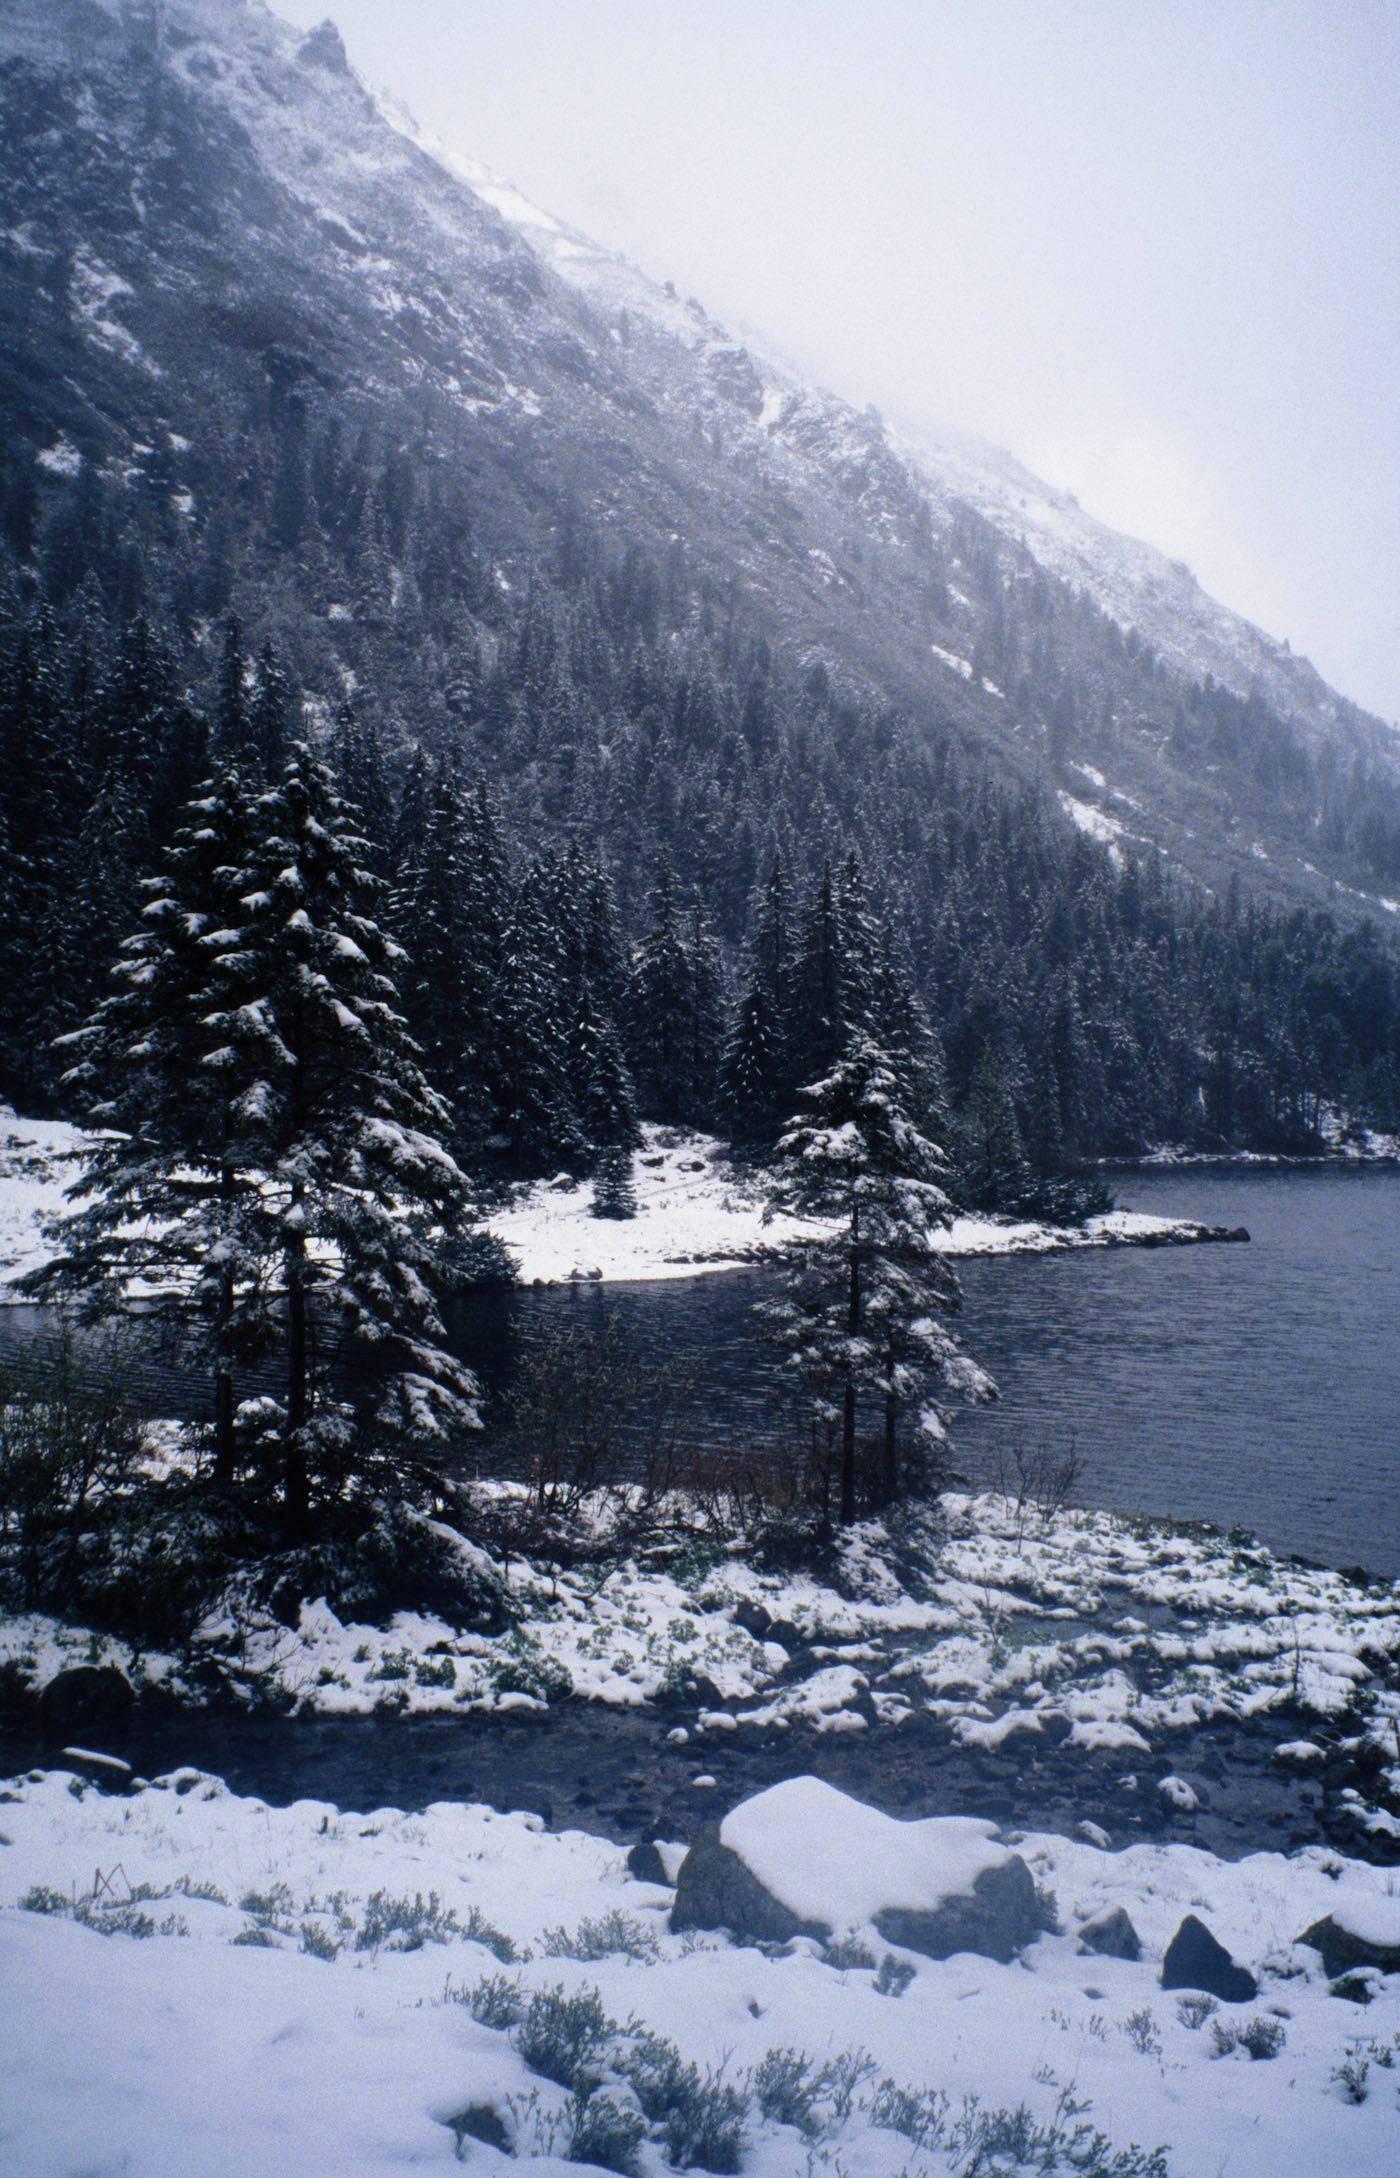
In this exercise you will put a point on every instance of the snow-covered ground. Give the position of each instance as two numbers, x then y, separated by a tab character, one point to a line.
198	1985
38	1160
696	1212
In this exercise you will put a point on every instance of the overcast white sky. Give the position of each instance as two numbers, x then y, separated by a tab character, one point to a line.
1151	246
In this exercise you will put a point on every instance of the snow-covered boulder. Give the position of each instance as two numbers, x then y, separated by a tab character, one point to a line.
803	1859
1360	1931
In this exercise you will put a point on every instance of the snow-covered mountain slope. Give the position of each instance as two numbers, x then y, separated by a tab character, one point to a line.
1135	584
200	208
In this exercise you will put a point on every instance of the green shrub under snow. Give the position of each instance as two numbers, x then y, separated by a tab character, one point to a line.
627	2086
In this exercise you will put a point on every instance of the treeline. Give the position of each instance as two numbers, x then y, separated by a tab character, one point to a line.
642	866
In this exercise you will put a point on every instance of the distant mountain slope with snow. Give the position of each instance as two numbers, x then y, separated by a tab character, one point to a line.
1137	585
199	208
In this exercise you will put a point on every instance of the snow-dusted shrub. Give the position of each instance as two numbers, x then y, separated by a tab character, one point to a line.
108	1917
270	1905
1141	2030
844	2077
523	1668
1261	2037
1194	2010
848	1954
195	1887
256	1936
317	1942
787	2085
705	2127
494	2001
606	2129
371	1558
893	1976
42	1899
478	2121
406	1924
1047	1910
919	2114
614	1934
1352	2075
990	2140
700	2116
563	2037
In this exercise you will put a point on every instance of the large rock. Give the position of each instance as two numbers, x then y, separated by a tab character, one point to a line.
1195	1960
802	1859
1111	1935
715	1890
108	1771
997	1917
84	1694
1360	1933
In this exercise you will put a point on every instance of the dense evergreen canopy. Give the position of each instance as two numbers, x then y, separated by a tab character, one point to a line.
642	865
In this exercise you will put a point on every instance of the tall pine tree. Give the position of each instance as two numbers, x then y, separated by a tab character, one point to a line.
862	1309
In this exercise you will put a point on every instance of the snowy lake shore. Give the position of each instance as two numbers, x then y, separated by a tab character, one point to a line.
696	1212
1180	1683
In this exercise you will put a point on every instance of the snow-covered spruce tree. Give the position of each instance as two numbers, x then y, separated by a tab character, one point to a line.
352	1176
600	1080
754	1086
659	1026
831	972
993	1170
450	909
862	1308
612	1185
537	1115
168	1066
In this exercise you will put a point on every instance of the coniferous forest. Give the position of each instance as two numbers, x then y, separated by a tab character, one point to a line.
636	862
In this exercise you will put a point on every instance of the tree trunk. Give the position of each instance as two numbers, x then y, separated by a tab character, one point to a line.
891	1448
223	1424
296	1496
223	1361
848	1402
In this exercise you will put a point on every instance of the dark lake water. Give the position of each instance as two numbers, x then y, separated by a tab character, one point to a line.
1253	1386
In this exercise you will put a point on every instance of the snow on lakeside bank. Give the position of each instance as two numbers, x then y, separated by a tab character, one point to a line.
1083	1634
267	1990
695	1213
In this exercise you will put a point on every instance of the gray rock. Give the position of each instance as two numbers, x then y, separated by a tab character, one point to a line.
714	1889
1111	1935
644	1863
1195	1960
1341	1950
84	1694
997	1917
479	2121
109	1771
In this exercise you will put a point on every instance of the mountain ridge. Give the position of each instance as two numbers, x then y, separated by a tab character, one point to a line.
1072	542
312	238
